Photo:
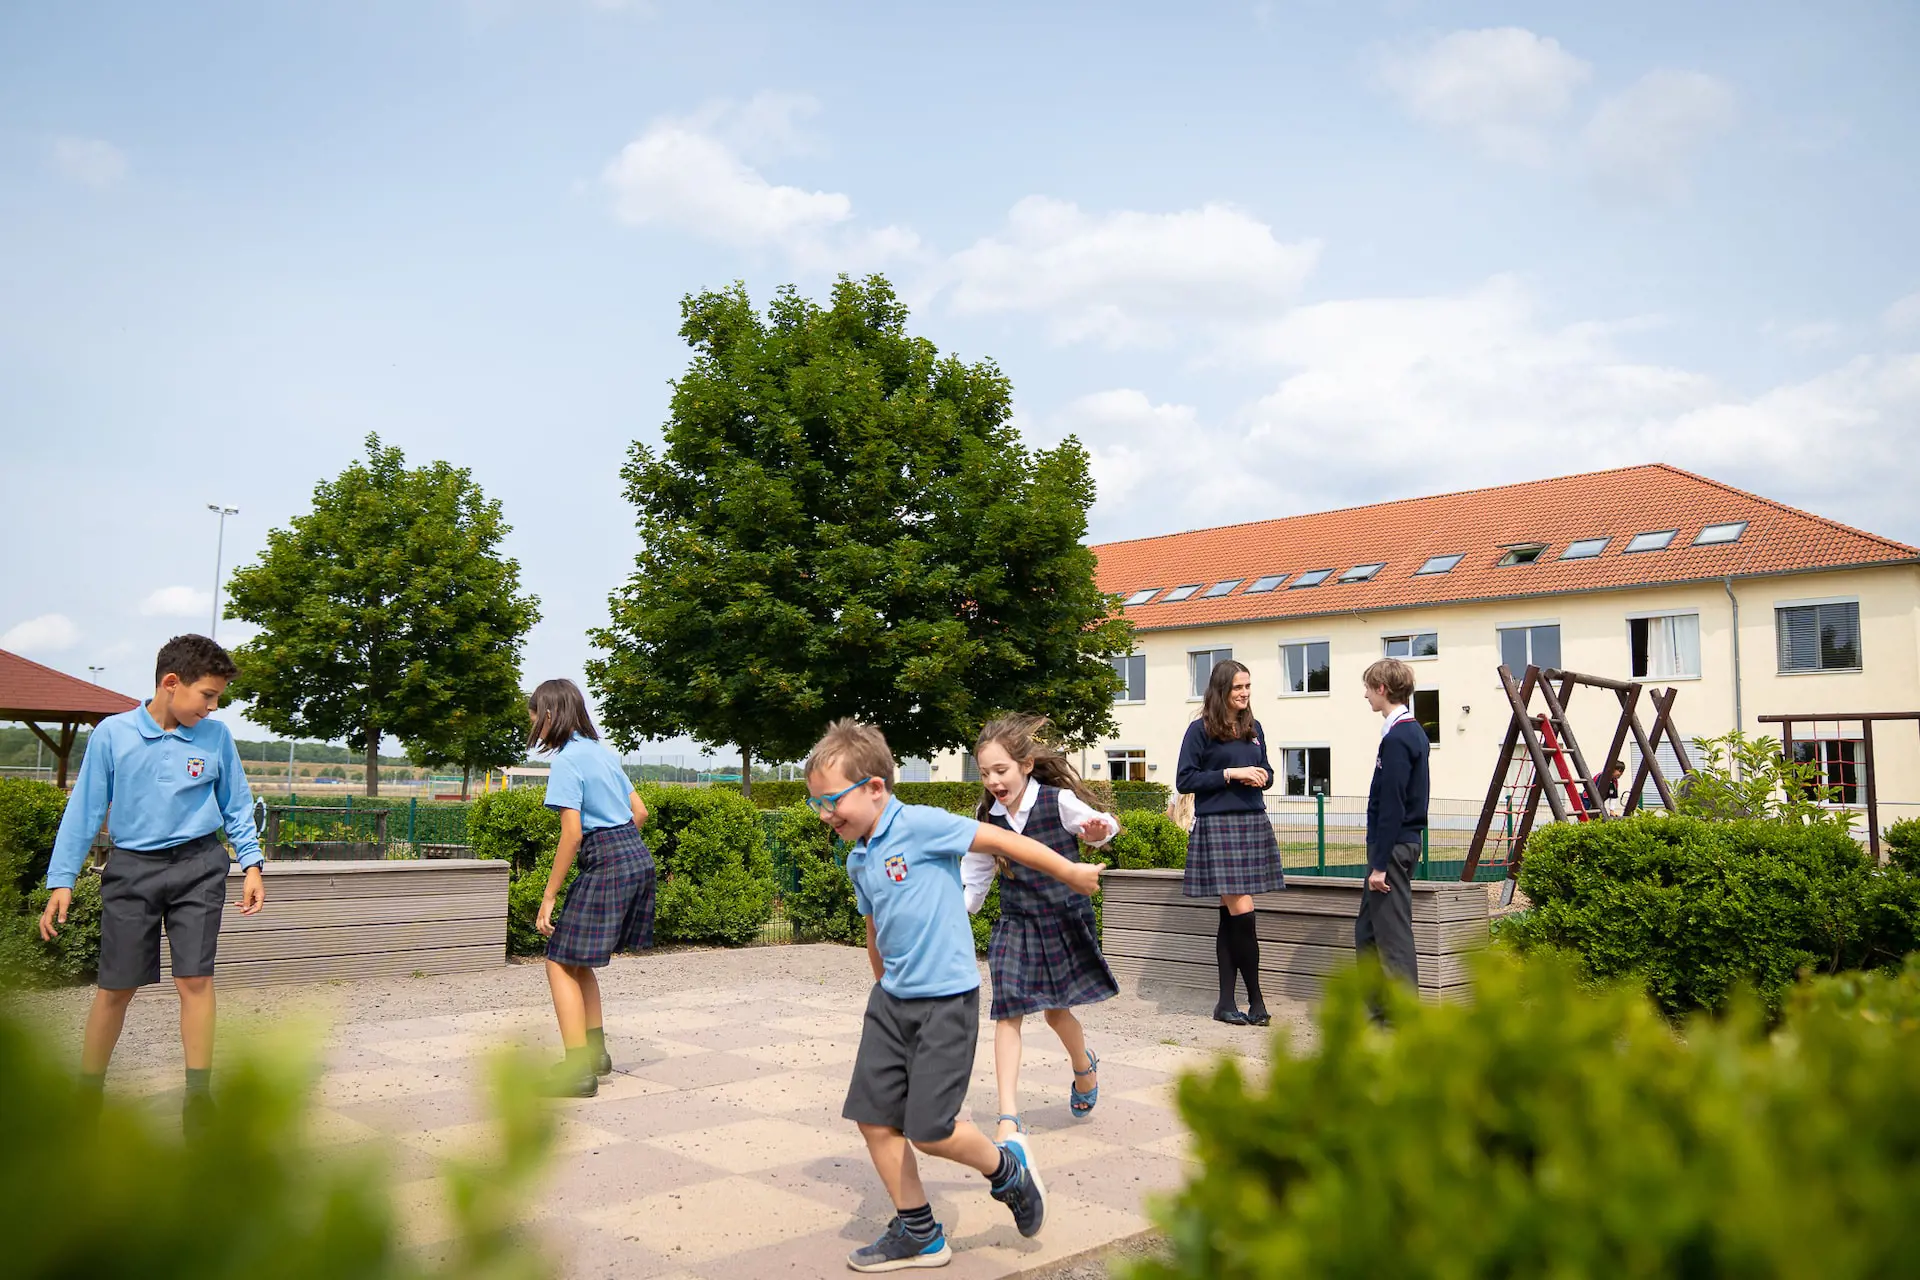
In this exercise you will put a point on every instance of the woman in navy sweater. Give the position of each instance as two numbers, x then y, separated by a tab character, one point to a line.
1232	852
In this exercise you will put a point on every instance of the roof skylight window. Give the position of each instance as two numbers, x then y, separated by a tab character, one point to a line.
1526	553
1657	541
1222	588
1267	583
1312	578
1362	572
1585	548
1719	534
1141	596
1181	593
1439	564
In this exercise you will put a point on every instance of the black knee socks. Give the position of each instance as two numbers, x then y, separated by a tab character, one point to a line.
1223	954
1245	945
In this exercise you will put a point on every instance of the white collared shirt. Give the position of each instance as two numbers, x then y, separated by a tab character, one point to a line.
977	869
1399	714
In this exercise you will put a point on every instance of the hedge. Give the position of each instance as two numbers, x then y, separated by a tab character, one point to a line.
1902	844
715	874
127	1198
1694	909
1545	1129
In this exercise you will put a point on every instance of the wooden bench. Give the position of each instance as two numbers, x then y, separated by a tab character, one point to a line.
326	920
1151	933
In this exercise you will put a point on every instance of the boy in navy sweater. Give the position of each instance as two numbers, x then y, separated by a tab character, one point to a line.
1396	817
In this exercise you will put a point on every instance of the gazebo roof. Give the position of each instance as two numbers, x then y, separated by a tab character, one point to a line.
30	691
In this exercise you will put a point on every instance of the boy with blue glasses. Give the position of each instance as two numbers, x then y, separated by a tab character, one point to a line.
923	1015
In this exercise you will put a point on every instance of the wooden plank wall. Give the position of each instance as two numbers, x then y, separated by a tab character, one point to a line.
327	920
1151	933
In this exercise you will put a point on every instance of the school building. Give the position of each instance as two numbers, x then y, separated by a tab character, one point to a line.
1747	606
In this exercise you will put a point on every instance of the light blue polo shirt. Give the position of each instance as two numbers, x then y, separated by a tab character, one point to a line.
587	776
165	787
906	875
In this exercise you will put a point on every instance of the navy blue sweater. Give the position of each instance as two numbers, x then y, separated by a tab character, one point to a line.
1397	800
1203	766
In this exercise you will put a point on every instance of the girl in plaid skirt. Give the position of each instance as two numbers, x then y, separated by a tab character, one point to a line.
610	905
1231	852
1044	955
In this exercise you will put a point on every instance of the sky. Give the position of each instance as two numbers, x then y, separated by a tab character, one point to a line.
1259	258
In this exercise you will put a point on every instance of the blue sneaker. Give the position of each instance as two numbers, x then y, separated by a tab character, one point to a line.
1023	1192
896	1250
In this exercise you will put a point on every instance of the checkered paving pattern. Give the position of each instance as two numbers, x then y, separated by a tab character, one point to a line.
716	1149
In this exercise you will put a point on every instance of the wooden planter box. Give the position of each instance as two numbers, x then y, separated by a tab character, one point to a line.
1151	933
326	920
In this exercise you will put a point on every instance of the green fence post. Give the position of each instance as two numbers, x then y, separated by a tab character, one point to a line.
413	806
1320	816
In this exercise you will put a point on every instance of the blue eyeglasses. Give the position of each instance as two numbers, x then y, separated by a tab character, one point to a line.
827	804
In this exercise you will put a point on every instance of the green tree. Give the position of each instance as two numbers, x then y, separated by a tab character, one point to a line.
488	733
841	521
382	610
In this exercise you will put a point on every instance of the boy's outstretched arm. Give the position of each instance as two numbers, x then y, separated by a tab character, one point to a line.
1081	877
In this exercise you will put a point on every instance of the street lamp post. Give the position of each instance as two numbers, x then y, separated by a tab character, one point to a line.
219	547
94	672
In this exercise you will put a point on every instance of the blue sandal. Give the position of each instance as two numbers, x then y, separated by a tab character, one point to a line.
1082	1103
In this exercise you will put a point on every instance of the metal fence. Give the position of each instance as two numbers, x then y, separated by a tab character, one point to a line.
365	828
1327	836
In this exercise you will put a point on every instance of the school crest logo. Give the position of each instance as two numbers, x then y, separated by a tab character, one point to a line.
195	766
896	868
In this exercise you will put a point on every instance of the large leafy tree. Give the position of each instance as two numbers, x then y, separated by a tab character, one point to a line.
489	733
841	521
386	609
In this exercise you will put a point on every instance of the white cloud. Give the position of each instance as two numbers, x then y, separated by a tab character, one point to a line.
691	173
1813	335
1643	141
89	161
1504	86
1904	314
48	633
178	602
1128	277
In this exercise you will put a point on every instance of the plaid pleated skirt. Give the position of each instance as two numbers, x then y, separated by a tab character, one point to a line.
1047	960
1232	853
609	908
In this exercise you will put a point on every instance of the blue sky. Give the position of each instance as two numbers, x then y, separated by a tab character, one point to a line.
1360	251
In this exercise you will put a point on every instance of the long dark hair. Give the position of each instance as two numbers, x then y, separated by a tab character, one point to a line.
559	711
1223	723
1027	740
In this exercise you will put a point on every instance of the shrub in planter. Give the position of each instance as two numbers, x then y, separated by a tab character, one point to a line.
514	826
1546	1129
29	819
1147	839
716	876
1695	908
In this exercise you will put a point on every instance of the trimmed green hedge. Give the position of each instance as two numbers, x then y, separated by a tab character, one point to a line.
1694	908
29	820
1902	843
1544	1129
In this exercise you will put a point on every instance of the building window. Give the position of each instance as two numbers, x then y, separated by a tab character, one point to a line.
1132	671
1202	663
1584	549
1719	534
1426	711
1839	763
1311	578
1664	647
1267	583
1181	593
1141	596
1307	667
1222	588
1126	766
1657	541
1362	572
1423	644
1306	771
1439	564
1819	637
1539	646
969	767
1524	554
916	770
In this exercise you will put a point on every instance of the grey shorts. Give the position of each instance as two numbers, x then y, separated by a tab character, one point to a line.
915	1063
186	886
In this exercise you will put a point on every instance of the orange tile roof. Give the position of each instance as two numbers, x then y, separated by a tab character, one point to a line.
29	691
1479	525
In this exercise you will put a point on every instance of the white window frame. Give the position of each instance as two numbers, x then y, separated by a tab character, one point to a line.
1498	627
1643	616
1631	550
1409	635
1212	648
1313	693
1128	754
1605	544
1439	716
1140	701
1819	671
1280	765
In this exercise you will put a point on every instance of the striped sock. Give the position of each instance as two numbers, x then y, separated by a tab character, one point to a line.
919	1222
1009	1170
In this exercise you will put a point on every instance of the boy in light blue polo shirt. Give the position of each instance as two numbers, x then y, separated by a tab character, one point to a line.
923	1015
173	779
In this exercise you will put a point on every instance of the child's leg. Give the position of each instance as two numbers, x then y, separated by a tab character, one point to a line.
893	1160
570	1002
196	1021
1073	1038
965	1145
590	999
104	1020
1006	1073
